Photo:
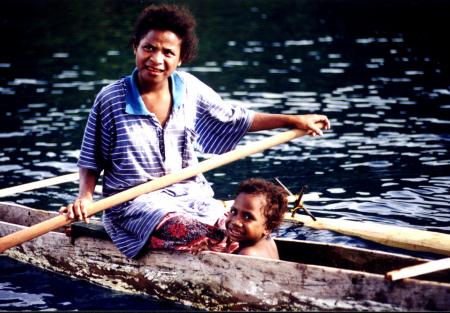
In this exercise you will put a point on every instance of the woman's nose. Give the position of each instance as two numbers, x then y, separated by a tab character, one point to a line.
157	57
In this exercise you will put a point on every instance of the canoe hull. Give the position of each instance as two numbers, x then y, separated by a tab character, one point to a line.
216	281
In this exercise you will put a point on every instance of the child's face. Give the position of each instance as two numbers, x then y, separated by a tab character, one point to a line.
246	220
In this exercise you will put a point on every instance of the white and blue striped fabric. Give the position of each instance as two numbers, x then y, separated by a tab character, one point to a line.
127	141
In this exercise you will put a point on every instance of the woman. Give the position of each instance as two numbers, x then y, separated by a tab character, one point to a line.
147	125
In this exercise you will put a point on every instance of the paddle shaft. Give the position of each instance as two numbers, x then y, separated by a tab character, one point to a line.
420	269
394	236
39	184
39	229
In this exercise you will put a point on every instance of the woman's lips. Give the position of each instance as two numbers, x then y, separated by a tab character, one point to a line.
155	71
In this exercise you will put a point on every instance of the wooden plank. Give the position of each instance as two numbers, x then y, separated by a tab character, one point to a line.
23	215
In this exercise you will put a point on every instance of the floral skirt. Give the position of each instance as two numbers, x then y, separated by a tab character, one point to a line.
184	233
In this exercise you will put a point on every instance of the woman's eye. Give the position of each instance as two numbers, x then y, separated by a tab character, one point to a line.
169	53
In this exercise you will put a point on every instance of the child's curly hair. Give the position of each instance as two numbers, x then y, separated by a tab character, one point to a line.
177	19
275	196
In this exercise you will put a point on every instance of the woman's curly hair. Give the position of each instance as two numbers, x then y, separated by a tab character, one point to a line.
177	19
275	196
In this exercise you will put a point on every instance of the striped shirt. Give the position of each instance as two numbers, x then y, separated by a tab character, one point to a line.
127	141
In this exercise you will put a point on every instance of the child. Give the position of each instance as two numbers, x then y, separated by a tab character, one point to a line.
257	210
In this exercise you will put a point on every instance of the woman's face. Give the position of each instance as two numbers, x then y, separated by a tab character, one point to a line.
157	57
246	221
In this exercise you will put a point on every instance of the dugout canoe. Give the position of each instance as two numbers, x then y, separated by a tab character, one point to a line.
310	276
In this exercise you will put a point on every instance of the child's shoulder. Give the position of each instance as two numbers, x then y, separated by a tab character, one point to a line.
263	248
251	251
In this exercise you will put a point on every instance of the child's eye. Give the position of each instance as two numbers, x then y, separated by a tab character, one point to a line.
233	211
248	217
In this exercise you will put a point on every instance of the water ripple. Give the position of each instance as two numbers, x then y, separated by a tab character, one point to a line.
12	298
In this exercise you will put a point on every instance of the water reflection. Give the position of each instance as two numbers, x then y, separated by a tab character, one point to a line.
39	294
13	298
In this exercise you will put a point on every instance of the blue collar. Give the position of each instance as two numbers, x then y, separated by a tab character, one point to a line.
134	103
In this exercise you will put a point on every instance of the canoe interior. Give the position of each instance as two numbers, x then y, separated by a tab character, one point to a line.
299	251
351	258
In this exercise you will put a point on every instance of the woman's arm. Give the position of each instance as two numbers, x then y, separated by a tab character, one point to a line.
313	123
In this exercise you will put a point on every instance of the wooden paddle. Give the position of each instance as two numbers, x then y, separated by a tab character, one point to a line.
39	184
39	229
394	236
420	269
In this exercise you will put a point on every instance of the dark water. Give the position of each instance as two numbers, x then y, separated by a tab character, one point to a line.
379	70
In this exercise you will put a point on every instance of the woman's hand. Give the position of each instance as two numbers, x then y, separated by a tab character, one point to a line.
77	211
312	123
